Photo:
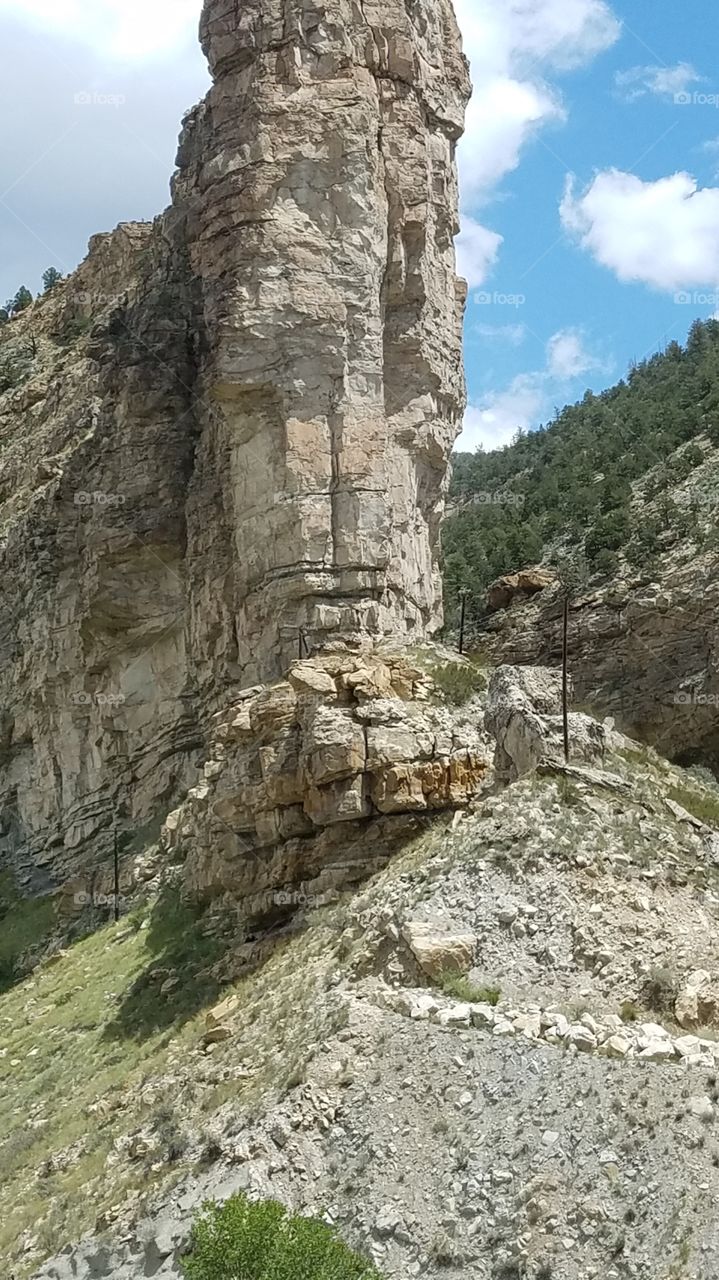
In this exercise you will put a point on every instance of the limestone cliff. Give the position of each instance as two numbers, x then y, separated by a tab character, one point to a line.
226	436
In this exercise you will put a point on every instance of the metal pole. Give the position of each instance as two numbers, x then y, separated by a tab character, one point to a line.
116	854
462	616
565	677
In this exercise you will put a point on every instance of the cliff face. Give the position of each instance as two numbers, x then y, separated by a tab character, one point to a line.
644	652
227	434
320	185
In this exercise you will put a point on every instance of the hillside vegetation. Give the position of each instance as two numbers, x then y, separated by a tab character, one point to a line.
584	481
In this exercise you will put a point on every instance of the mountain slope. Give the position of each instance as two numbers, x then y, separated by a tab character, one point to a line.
559	1124
583	482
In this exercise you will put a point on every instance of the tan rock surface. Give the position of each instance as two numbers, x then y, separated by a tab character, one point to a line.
232	438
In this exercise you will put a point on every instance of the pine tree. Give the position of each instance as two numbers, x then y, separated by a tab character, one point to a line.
50	278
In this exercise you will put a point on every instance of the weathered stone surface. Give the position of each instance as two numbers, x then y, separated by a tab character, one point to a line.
231	442
643	649
524	715
440	950
299	766
697	1004
527	582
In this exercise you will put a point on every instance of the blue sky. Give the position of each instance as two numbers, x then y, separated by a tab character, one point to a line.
590	172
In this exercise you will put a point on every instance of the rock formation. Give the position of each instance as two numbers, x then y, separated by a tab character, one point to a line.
642	649
225	438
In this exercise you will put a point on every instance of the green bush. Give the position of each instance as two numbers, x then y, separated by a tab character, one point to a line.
458	682
241	1240
459	986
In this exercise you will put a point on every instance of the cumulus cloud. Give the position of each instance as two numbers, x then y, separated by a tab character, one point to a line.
477	249
664	234
567	356
494	421
122	30
513	48
663	82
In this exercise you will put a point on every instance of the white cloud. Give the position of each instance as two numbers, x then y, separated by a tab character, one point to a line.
513	334
664	233
122	30
477	249
567	356
494	421
663	82
512	48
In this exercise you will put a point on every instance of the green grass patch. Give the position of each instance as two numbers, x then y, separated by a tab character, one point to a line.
261	1241
24	924
702	805
459	986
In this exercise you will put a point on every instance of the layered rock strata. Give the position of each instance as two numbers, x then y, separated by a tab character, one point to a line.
312	776
226	437
641	649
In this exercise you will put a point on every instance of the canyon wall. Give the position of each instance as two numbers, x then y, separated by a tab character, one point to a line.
225	438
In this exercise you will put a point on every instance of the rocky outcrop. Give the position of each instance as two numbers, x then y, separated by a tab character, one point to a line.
642	649
311	778
521	585
225	438
524	715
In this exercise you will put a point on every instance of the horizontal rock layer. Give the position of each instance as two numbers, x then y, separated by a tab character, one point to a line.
228	433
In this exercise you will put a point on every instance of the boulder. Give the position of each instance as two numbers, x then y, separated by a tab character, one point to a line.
697	1004
524	715
439	949
528	582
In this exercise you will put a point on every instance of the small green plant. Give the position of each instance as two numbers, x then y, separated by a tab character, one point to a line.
660	991
24	923
569	793
458	682
704	806
242	1240
630	1011
459	986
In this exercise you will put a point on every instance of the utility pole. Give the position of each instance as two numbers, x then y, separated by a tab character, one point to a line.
116	858
462	618
565	675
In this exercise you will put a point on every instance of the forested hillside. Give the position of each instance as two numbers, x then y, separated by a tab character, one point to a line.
602	478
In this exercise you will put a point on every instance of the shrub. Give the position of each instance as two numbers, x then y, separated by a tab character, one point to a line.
459	986
241	1240
458	681
660	991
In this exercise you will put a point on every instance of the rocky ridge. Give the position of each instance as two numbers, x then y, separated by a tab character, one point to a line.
227	434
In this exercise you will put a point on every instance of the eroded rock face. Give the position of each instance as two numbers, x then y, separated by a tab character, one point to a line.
642	650
308	790
320	181
235	426
524	715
